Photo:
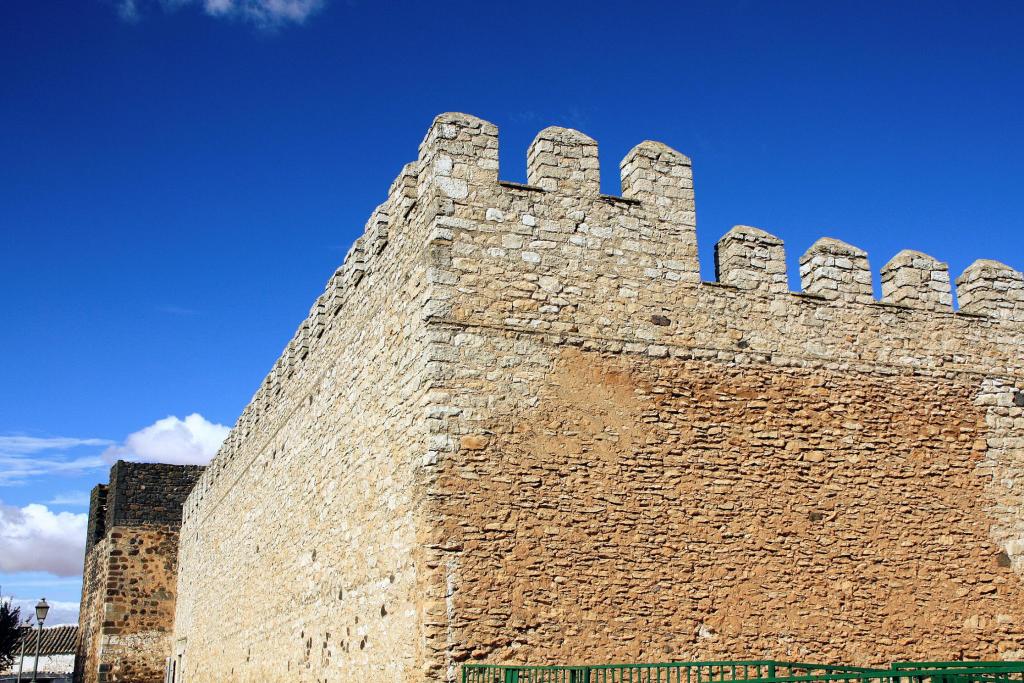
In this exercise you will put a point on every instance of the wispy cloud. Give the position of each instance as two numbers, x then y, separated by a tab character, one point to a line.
192	441
24	445
525	116
262	13
34	538
22	457
71	499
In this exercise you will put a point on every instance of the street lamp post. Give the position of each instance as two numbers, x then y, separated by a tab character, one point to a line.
41	609
23	638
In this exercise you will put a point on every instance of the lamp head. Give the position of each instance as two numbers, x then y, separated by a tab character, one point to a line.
41	609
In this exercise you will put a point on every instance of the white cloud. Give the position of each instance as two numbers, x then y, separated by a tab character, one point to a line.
62	612
262	13
192	441
33	538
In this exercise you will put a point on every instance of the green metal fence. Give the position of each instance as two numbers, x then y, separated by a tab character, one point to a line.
673	672
964	672
762	671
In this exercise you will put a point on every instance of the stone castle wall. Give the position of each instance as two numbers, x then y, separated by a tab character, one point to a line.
300	549
556	443
129	580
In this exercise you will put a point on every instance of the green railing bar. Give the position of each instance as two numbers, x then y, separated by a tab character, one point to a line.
959	672
959	665
709	663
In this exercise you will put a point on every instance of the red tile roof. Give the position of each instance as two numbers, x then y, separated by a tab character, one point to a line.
56	640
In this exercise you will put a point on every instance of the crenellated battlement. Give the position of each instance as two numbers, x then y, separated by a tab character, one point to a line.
459	159
562	232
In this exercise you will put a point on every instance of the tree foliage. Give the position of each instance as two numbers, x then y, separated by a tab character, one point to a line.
10	621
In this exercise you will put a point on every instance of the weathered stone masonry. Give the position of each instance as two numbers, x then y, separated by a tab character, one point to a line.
130	576
517	426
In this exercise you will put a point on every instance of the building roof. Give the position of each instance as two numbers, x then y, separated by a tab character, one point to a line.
56	640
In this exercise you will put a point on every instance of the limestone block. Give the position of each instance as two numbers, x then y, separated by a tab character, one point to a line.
653	171
836	270
750	258
662	180
402	192
458	151
334	292
991	288
376	230
563	160
318	317
355	262
302	340
917	280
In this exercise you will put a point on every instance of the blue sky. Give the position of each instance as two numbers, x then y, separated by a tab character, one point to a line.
179	178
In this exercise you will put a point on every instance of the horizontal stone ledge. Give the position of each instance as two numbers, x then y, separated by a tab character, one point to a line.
520	186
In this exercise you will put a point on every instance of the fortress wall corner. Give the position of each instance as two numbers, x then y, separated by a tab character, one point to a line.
315	498
517	426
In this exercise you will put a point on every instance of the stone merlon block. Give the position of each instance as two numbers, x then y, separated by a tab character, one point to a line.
563	160
661	178
836	270
917	280
992	288
458	152
750	258
403	188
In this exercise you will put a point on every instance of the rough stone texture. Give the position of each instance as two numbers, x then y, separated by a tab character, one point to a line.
96	527
301	544
128	605
661	179
129	580
516	427
836	270
725	510
1004	462
992	288
565	160
750	258
917	280
145	493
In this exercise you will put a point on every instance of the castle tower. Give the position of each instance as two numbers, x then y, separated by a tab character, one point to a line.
130	577
518	427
